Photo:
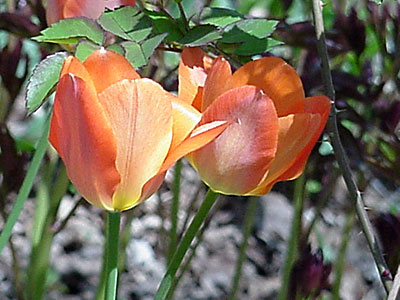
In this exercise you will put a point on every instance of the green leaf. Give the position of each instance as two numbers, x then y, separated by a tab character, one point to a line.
200	36
151	44
43	79
84	49
138	54
70	31
127	22
256	46
241	31
164	24
134	54
116	48
218	16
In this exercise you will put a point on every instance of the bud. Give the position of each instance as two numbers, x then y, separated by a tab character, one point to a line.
388	228
309	275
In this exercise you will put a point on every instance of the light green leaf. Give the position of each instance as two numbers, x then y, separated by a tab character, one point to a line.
134	54
151	44
70	31
256	46
200	36
242	30
218	16
127	22
44	77
84	49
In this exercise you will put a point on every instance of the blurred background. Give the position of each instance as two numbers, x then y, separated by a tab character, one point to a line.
332	261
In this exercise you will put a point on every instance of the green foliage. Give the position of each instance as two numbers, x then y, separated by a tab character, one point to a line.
221	17
201	35
70	31
84	49
44	78
128	23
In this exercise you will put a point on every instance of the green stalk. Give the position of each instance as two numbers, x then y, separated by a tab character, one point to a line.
247	229
112	239
26	187
173	238
293	246
184	245
40	255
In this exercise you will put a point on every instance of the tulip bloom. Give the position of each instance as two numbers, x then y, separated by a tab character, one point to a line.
117	133
272	125
61	9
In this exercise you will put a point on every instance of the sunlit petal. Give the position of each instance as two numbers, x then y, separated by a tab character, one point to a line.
140	113
83	137
108	67
236	161
277	79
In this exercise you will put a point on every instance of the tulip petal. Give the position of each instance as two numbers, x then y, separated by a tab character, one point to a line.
277	79
75	66
236	161
108	67
193	68
200	137
296	134
83	137
54	11
92	8
217	81
185	120
140	113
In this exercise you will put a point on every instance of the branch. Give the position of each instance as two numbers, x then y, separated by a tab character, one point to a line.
340	154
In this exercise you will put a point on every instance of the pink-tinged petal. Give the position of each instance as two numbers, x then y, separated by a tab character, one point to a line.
200	137
193	68
277	79
84	140
236	161
92	8
107	67
185	120
140	113
217	81
54	11
296	133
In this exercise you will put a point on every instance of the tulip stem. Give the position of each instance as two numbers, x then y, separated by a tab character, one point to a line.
247	229
340	153
26	186
184	245
112	239
173	238
295	233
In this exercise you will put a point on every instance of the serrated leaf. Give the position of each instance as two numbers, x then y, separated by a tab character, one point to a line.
200	36
44	77
116	48
126	22
69	31
219	16
134	54
242	30
84	49
256	46
163	24
151	44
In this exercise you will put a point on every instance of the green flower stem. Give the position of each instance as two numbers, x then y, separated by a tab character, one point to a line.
247	229
125	237
40	255
341	155
173	238
341	257
295	233
26	187
112	240
184	245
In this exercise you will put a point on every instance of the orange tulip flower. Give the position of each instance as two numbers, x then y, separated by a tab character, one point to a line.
273	126
57	10
117	133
